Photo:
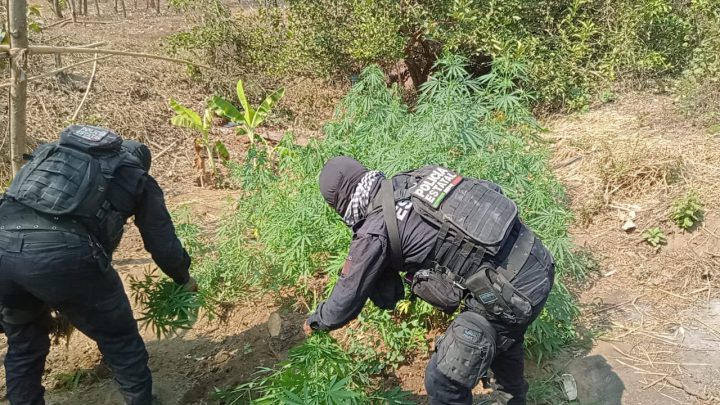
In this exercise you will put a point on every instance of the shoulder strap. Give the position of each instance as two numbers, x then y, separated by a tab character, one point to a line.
388	207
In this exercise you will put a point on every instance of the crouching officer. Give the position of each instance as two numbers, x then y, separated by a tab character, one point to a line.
460	242
60	221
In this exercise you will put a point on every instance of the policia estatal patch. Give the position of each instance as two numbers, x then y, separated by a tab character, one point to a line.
435	186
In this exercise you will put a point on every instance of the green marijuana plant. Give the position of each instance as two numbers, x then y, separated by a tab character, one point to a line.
166	306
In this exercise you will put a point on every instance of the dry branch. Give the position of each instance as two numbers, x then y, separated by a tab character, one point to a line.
68	22
41	50
87	90
58	70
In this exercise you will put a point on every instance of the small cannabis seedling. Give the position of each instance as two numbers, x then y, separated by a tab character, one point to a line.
687	211
654	237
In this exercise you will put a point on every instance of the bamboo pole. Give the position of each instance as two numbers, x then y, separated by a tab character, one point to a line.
17	21
44	50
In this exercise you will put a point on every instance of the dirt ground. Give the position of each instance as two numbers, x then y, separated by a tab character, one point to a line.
655	313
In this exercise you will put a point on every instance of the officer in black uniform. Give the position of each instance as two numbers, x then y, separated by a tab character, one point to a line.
480	337
57	262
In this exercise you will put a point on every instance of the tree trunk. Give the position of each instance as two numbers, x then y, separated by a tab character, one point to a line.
116	9
85	7
97	8
57	9
157	6
17	20
122	4
73	10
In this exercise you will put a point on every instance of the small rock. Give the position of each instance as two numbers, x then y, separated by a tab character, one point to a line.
274	324
629	225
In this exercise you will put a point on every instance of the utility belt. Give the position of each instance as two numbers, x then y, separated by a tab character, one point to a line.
37	222
18	231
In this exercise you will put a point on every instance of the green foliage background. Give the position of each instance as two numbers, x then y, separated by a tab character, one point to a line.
574	49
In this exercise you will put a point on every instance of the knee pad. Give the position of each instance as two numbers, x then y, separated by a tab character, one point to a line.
466	350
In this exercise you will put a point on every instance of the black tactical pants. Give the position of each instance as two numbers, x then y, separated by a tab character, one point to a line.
38	270
508	367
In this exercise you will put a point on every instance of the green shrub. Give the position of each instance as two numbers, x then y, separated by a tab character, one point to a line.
699	87
572	48
687	211
654	237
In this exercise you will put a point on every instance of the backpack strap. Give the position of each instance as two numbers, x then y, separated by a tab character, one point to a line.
388	207
519	254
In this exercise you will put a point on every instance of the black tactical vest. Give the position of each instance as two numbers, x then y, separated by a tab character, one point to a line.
475	222
69	179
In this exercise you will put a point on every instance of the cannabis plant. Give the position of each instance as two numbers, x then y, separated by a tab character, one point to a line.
318	372
167	307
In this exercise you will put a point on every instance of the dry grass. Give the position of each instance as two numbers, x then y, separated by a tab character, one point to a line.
639	155
131	95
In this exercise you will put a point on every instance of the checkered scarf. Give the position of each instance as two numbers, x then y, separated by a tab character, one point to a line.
360	200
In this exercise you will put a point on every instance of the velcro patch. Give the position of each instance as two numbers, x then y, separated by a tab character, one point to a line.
435	187
91	134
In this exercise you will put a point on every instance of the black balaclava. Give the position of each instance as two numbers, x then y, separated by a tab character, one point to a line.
140	151
338	180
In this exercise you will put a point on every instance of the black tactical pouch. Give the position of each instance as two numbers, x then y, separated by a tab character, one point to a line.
467	349
498	296
437	289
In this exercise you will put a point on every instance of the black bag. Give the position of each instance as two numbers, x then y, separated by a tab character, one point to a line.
69	177
437	290
472	207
